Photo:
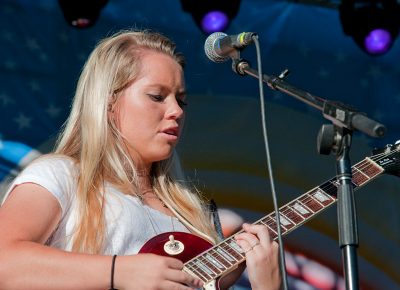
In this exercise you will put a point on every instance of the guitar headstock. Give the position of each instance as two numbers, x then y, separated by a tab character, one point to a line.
388	158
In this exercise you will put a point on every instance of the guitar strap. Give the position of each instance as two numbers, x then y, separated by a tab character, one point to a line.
212	206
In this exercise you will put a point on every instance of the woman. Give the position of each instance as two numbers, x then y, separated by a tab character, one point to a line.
109	185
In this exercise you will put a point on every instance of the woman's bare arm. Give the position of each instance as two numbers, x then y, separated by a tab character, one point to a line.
27	219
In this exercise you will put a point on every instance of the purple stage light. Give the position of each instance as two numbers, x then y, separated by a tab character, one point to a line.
378	41
214	21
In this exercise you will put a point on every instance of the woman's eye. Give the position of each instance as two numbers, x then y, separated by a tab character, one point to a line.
181	103
157	98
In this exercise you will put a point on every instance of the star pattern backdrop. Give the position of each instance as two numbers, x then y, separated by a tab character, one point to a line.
222	148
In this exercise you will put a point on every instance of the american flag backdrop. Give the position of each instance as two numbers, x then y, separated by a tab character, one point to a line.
41	57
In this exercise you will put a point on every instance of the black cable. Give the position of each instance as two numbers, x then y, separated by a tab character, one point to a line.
112	273
267	152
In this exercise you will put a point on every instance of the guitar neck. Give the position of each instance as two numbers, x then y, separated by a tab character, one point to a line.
225	256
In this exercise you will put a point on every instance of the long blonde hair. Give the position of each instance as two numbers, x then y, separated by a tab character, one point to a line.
93	141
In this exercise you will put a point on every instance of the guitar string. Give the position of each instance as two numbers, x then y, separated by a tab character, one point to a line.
308	198
287	210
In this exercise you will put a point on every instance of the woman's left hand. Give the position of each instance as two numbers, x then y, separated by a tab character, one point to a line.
261	257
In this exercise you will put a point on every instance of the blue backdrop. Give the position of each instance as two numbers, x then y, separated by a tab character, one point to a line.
222	148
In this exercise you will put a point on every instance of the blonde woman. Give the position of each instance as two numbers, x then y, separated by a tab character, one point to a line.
108	188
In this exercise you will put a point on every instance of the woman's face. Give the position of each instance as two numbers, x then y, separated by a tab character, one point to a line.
150	111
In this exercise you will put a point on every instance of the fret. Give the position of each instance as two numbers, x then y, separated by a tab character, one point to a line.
359	177
204	268
225	254
301	208
322	197
267	222
224	247
293	215
221	259
364	163
285	220
272	232
311	203
316	199
330	187
215	261
334	182
234	250
198	266
204	264
272	223
208	266
372	169
363	167
359	166
192	273
211	263
193	267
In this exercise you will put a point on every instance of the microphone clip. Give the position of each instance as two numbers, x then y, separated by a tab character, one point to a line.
239	65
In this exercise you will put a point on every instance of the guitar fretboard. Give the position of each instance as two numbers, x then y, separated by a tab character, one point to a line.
225	256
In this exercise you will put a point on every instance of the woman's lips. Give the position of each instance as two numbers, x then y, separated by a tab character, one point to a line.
171	133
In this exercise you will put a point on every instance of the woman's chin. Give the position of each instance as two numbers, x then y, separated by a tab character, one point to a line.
164	156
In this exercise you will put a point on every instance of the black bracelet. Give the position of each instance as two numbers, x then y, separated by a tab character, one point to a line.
112	273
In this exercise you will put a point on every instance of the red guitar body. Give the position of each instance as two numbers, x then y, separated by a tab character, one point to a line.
190	247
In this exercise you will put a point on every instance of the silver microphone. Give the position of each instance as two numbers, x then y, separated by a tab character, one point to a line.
219	47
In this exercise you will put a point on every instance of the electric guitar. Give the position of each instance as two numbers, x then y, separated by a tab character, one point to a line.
209	263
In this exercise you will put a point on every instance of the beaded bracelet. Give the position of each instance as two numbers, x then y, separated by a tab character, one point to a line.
112	273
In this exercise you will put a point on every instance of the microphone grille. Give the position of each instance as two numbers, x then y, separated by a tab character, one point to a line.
209	47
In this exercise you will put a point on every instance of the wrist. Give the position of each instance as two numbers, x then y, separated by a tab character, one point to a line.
112	273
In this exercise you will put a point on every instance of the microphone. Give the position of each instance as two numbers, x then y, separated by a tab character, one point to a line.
219	47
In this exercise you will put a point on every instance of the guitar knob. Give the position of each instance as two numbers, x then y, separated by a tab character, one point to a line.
173	247
172	239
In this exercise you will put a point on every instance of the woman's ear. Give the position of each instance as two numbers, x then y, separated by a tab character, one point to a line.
112	103
112	110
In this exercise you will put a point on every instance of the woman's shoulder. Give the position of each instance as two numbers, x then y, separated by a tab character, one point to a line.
56	173
56	168
52	162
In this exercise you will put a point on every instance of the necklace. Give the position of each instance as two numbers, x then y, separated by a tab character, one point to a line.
144	195
150	194
154	225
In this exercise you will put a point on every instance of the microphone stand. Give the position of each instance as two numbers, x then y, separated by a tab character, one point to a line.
334	137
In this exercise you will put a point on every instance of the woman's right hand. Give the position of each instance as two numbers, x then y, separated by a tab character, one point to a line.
151	272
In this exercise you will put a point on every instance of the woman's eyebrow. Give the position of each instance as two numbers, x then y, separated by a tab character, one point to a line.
165	88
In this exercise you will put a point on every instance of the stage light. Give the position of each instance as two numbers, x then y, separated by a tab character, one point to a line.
374	24
81	13
212	16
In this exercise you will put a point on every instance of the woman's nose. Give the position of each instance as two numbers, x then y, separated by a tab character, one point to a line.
174	111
